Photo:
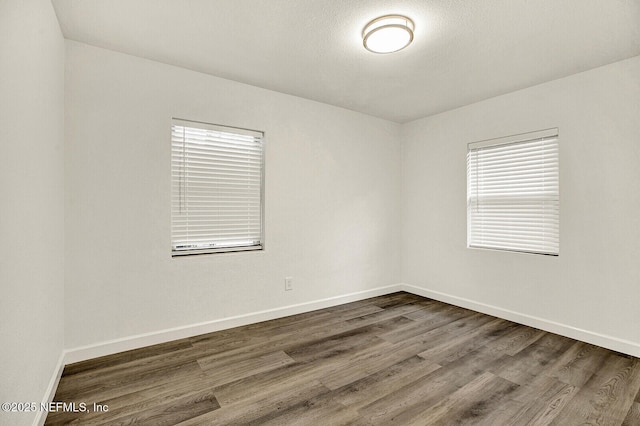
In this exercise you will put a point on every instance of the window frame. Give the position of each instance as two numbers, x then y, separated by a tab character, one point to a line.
260	246
545	246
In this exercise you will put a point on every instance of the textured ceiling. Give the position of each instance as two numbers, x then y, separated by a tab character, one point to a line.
464	50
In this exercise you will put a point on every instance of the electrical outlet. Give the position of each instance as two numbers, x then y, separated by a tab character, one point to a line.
288	283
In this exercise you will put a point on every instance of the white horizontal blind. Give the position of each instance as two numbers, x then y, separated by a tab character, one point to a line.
216	194
513	194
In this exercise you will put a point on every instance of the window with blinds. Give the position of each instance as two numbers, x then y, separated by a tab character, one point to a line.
513	193
216	188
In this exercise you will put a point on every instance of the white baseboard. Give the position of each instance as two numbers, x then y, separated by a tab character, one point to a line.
162	336
41	416
609	342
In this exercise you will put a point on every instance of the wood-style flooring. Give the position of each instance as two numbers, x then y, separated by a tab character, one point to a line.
395	359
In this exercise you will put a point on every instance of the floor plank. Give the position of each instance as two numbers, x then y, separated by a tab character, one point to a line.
469	404
633	416
608	395
536	403
362	392
578	363
244	368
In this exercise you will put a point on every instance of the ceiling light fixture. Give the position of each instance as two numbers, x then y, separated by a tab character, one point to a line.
388	34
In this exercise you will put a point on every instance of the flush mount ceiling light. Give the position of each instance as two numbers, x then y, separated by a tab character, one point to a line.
388	34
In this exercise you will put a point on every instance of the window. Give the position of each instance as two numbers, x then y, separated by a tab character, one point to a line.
513	196
217	178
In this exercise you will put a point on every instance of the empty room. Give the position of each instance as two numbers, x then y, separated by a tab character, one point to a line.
320	212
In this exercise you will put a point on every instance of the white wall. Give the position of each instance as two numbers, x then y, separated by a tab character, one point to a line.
594	284
31	190
332	200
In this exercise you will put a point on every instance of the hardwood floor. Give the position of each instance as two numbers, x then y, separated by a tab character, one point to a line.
395	359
